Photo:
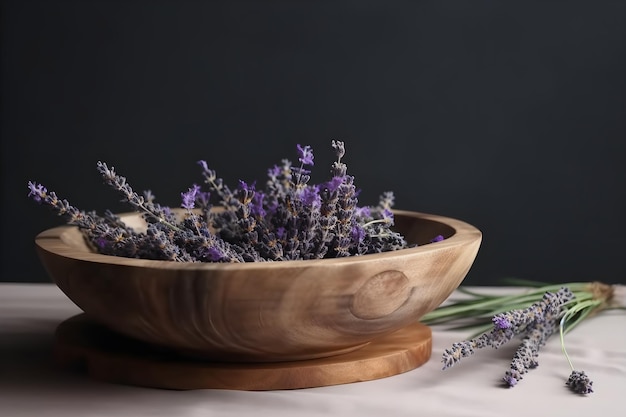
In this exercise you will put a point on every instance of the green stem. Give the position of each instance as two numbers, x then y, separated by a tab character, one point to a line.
561	324
584	307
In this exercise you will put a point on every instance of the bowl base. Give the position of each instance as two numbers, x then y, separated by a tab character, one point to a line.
111	357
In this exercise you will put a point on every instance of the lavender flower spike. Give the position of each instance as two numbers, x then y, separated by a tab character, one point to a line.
501	322
189	198
305	155
37	191
579	382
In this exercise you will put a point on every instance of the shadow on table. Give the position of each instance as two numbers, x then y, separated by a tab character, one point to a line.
27	355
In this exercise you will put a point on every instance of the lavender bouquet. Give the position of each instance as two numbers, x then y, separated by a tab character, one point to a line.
533	316
289	219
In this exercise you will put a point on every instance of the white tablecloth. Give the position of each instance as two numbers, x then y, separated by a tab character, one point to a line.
31	385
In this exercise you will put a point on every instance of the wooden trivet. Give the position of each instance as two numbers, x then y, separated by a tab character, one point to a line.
111	357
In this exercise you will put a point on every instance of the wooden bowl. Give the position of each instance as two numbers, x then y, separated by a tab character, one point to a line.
274	311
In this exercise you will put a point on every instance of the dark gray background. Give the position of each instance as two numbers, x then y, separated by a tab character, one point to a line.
508	115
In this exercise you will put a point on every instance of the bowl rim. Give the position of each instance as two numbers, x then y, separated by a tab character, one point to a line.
52	242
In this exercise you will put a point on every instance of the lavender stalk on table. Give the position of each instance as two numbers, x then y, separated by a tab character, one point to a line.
552	309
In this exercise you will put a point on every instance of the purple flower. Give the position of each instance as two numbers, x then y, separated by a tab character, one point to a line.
305	155
501	322
37	191
310	196
436	239
357	233
334	184
248	188
189	198
510	381
256	205
214	254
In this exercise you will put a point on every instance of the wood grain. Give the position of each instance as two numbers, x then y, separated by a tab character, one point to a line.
265	311
110	357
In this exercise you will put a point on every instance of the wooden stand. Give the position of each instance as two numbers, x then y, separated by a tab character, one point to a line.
108	356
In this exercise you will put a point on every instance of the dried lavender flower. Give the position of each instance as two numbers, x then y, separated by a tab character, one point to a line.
152	211
305	154
189	198
579	382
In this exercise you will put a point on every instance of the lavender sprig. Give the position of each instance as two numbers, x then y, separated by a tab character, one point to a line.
108	235
533	321
578	381
146	205
553	308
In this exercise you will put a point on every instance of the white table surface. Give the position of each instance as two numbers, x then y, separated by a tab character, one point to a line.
31	385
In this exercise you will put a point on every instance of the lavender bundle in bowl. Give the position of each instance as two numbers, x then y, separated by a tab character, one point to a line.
289	219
